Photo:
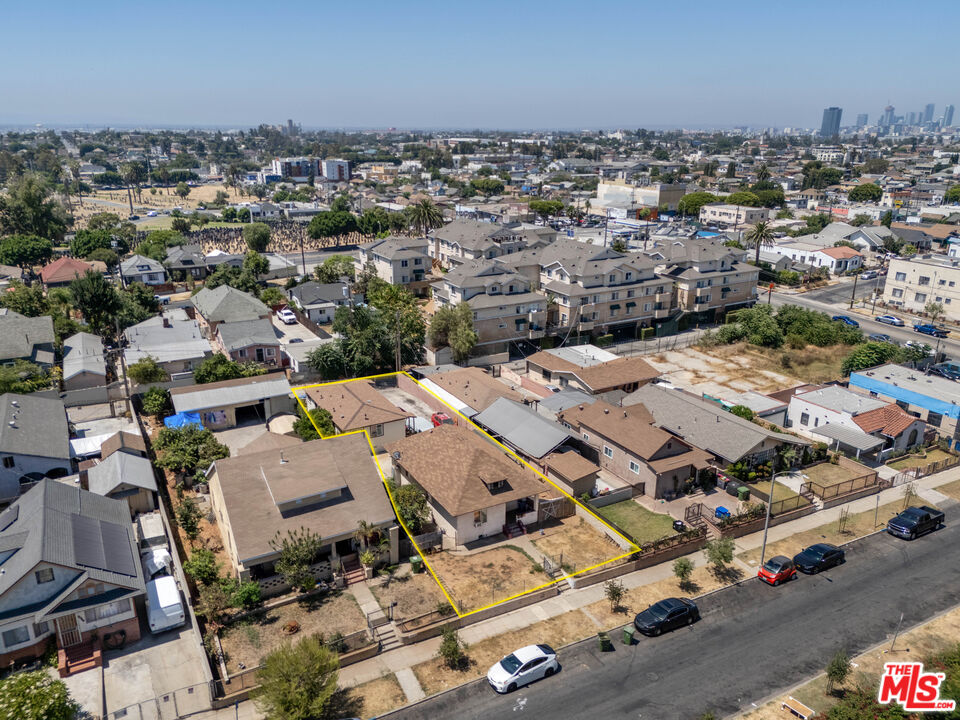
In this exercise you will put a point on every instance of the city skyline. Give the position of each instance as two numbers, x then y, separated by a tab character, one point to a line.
441	67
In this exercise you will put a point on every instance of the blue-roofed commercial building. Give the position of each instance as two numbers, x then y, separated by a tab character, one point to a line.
933	399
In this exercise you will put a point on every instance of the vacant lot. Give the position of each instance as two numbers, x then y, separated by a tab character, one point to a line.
827	474
248	640
377	697
487	577
907	463
575	543
951	489
642	524
414	594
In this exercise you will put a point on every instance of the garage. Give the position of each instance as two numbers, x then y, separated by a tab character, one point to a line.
233	403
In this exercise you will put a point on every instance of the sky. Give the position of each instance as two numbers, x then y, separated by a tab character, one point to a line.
457	64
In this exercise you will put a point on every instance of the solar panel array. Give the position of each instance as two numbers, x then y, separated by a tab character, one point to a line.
102	545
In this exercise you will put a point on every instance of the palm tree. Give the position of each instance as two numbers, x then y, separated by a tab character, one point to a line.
424	216
761	235
763	173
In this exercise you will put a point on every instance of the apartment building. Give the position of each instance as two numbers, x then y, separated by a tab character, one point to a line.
397	260
620	193
914	282
337	170
723	214
295	168
465	239
707	276
505	308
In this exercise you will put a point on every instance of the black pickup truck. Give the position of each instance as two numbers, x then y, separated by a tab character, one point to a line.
915	521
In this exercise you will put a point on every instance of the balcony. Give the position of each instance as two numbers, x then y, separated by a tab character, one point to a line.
585	325
701	307
661	313
535	333
537	318
663	297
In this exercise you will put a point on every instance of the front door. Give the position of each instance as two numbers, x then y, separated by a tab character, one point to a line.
259	354
67	631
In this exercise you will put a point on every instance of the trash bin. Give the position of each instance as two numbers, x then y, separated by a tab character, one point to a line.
416	563
628	632
604	640
743	493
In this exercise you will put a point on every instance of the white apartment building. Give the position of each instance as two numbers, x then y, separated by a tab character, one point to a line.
914	282
723	214
336	170
621	194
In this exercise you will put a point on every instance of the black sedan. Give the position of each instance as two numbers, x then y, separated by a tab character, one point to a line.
666	615
818	557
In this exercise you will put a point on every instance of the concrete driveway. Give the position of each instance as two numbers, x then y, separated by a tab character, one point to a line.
241	436
286	333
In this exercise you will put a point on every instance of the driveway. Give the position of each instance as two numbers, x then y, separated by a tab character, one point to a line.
286	333
241	436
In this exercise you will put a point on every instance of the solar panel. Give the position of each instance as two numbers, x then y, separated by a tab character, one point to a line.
9	517
102	545
116	547
87	541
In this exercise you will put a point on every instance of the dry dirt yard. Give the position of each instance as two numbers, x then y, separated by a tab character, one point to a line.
377	697
414	594
488	576
575	543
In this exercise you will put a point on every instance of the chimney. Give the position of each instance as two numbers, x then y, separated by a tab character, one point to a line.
283	460
624	413
84	483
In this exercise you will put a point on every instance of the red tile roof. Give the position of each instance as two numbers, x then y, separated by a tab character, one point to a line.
890	420
841	252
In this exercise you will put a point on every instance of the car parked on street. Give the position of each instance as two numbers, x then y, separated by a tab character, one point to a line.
868	274
847	320
879	337
522	667
818	557
666	615
776	570
929	329
915	521
889	320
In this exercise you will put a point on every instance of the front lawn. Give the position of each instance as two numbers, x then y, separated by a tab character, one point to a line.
487	577
908	463
414	595
641	524
827	474
576	544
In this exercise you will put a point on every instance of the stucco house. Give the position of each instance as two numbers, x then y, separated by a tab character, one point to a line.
358	406
34	442
250	341
225	304
84	364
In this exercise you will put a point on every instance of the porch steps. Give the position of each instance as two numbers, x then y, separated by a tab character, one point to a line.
78	658
353	573
512	530
387	635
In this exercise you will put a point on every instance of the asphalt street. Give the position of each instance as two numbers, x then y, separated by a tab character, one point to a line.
841	292
754	641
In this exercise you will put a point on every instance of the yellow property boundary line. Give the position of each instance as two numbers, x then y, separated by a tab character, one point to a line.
634	548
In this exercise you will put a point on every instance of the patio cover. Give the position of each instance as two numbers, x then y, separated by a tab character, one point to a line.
853	437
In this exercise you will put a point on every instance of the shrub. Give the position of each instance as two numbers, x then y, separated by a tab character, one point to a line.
451	649
614	591
796	341
188	517
156	401
246	595
203	566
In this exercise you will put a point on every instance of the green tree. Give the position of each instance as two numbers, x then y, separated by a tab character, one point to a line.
27	300
453	327
239	278
619	246
742	411
763	173
106	256
182	190
870	355
186	449
614	592
188	517
412	507
147	370
744	197
837	670
330	361
334	269
332	223
219	367
952	195
719	553
203	566
861	219
36	696
257	236
691	203
306	426
934	310
488	186
97	299
402	319
887	218
255	263
424	216
866	192
212	605
156	401
86	241
23	377
29	208
452	649
297	682
731	169
25	251
683	569
272	296
546	208
297	549
761	235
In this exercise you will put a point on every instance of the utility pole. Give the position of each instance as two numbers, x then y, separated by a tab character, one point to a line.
398	341
303	259
853	295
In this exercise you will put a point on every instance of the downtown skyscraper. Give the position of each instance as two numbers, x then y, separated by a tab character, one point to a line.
831	122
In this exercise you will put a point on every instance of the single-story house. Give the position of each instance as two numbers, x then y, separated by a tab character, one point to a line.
229	403
186	260
589	369
138	268
123	441
71	571
319	301
557	402
762	406
84	364
226	304
357	406
573	471
326	486
63	271
628	444
34	442
126	477
250	341
26	338
474	490
470	390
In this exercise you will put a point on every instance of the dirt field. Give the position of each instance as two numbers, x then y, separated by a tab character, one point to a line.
487	577
414	594
828	474
780	492
951	489
728	369
256	635
378	697
577	543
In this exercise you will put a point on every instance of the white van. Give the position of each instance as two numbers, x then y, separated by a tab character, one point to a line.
164	608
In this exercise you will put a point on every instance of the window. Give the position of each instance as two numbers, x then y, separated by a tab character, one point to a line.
270	352
804	418
615	296
630	293
41	628
418	261
16	636
900	276
898	293
934	418
920	297
376	430
404	263
942	282
923	280
8	462
479	517
613	278
647	307
608	451
634	467
107	611
44	575
586	436
242	352
629	276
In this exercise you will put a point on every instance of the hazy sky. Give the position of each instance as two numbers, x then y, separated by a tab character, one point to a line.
455	63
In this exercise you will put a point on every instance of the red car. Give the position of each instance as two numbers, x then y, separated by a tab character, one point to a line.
440	418
777	569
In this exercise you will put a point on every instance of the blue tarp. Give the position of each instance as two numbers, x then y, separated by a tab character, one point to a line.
181	419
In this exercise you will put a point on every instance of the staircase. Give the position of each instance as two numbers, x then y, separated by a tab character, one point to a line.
512	530
387	634
353	572
78	658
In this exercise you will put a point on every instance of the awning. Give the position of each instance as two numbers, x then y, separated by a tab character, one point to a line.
855	438
615	306
631	304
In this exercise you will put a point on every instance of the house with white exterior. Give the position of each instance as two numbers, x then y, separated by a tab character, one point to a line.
34	442
142	269
319	301
837	260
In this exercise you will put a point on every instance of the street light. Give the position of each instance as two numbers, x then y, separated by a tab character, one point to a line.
766	524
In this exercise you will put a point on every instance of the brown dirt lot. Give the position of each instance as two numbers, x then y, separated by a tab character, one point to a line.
932	456
951	489
414	594
379	696
434	676
487	577
579	544
930	639
827	474
256	635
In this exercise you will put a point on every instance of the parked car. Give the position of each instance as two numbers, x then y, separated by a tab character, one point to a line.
164	607
440	418
152	213
929	329
947	370
847	320
868	274
522	667
666	615
287	317
162	299
818	557
296	340
133	217
777	569
915	521
879	337
889	320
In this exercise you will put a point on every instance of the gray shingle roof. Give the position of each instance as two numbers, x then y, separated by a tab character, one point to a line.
227	304
236	335
312	293
182	340
137	264
39	426
83	353
532	434
229	392
121	468
24	337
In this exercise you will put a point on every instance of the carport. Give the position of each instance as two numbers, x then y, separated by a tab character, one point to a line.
841	436
241	401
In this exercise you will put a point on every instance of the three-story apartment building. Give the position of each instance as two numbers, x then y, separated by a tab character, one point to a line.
398	261
463	240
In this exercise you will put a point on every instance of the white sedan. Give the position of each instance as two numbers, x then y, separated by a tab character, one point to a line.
523	667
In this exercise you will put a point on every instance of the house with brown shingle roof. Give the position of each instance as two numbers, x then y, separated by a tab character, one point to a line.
590	369
473	489
358	406
472	387
627	443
